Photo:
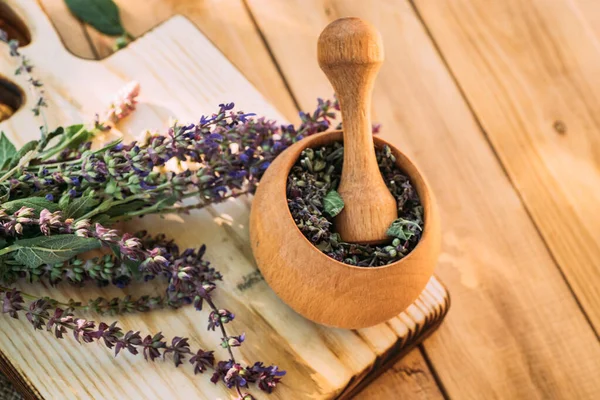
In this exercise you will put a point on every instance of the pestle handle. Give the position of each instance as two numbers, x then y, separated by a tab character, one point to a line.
350	52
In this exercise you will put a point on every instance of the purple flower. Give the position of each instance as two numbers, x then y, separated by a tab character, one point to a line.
50	221
108	333
12	303
106	234
203	293
153	345
244	117
234	377
130	341
84	330
205	120
218	318
131	247
58	321
233	341
266	377
226	106
231	373
38	313
202	361
180	348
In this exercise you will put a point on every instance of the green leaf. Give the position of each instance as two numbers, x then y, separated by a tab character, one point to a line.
133	267
27	147
101	219
101	14
5	270
123	209
7	149
37	203
70	137
108	146
165	201
110	187
71	130
80	206
403	229
52	249
55	133
64	201
76	134
333	203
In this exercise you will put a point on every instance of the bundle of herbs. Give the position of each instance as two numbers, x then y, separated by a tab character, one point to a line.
60	198
314	202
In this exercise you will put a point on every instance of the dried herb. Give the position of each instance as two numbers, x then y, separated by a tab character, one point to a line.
43	314
314	201
404	229
333	203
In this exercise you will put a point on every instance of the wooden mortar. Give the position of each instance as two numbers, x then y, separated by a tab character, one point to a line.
313	284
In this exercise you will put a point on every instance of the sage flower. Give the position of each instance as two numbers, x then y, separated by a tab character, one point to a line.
123	104
59	322
79	192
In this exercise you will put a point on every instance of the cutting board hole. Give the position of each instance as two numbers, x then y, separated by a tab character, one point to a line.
13	25
11	98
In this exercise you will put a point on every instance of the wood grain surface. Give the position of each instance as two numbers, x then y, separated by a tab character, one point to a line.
169	64
227	24
541	61
516	330
496	101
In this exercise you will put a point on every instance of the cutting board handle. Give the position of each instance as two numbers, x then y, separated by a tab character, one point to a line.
73	86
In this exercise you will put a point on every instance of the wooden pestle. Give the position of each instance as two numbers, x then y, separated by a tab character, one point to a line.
350	52
317	286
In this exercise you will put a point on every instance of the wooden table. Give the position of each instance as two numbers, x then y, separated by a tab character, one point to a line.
499	103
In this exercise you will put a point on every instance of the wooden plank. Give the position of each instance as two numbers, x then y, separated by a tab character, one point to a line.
405	380
321	362
540	59
228	27
515	331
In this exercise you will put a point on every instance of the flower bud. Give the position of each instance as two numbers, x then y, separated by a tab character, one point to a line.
25	212
160	259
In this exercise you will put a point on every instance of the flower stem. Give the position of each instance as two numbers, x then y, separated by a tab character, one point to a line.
57	149
225	337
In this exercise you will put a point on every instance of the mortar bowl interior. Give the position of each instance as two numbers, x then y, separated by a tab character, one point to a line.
318	287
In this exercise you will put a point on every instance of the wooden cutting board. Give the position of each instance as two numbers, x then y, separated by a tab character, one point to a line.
183	75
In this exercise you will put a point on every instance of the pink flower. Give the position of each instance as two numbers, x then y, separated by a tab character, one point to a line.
124	103
49	221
